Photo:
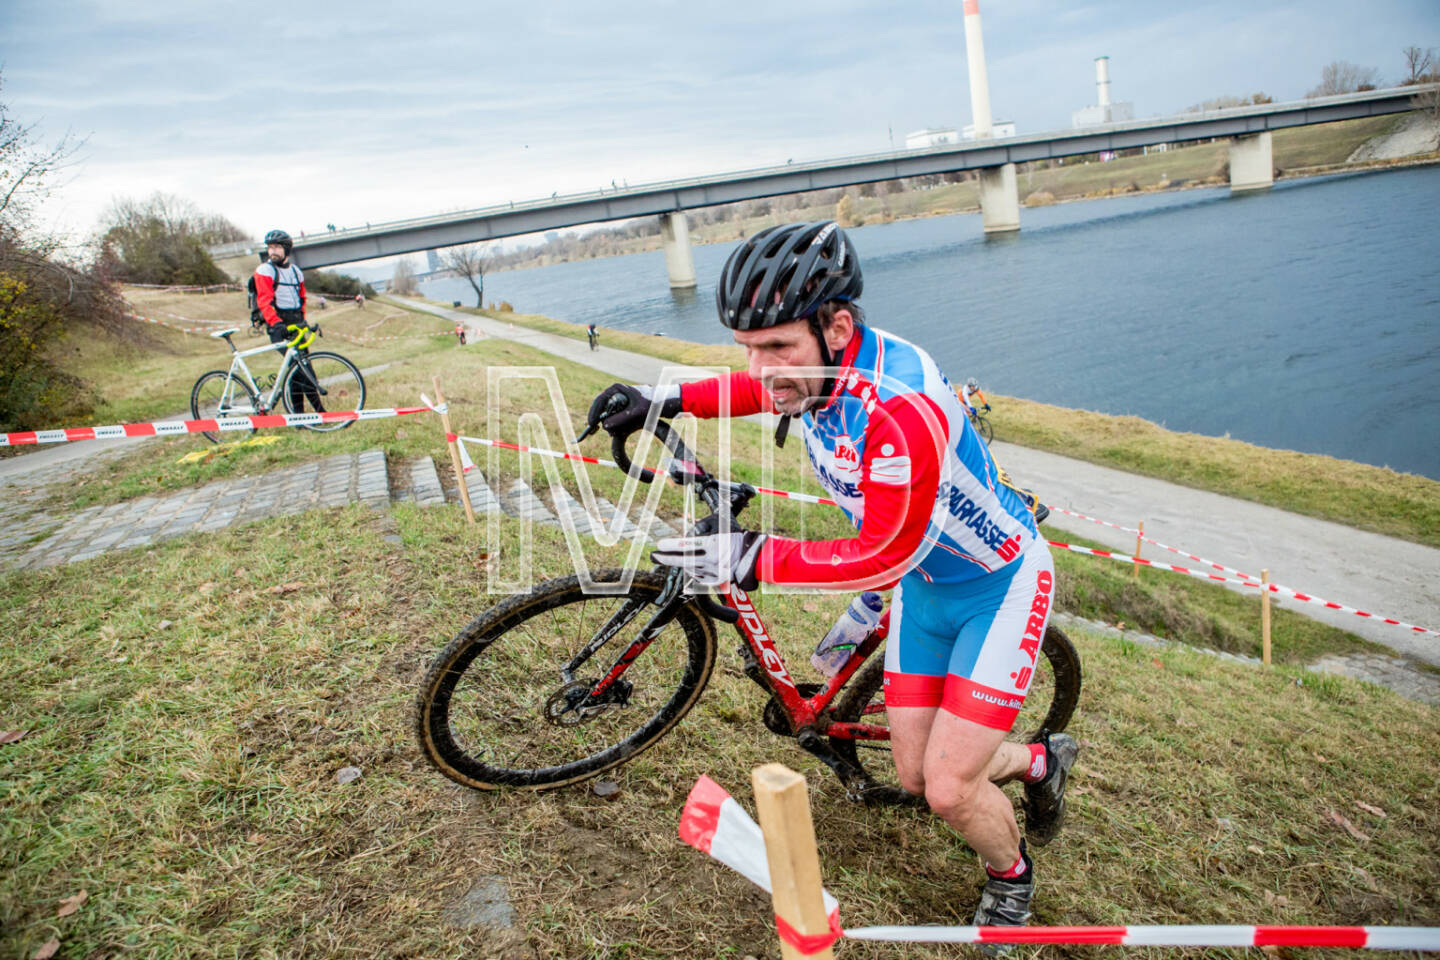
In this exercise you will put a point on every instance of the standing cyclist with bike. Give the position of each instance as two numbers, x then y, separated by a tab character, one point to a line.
280	297
893	446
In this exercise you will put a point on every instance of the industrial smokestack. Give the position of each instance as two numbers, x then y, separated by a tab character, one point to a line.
1102	80
979	83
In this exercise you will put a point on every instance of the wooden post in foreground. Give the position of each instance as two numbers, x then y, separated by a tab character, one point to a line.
1265	616
783	804
454	454
1139	534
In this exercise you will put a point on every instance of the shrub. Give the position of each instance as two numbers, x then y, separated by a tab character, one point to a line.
40	300
338	284
505	307
1040	198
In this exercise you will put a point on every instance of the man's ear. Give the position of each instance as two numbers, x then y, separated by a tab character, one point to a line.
840	330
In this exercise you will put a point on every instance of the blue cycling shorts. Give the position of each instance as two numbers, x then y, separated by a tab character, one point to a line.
970	648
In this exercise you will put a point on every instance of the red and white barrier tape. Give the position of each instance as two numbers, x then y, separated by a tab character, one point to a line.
558	455
1111	554
179	288
1126	558
410	336
714	823
1209	563
165	428
167	323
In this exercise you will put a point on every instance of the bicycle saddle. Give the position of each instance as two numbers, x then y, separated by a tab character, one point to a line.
222	334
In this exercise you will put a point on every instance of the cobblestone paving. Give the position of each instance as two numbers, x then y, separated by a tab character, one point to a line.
421	484
337	480
1397	673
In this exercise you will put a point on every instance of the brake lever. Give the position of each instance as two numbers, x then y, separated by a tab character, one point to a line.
613	406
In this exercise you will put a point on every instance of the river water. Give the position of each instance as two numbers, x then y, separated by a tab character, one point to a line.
1306	317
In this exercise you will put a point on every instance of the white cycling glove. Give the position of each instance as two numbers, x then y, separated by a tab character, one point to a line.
714	560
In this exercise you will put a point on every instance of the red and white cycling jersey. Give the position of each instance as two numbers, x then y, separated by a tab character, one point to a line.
894	448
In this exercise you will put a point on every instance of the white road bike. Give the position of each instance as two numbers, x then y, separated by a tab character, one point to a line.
320	380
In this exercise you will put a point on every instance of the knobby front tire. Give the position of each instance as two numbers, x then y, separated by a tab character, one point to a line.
489	711
982	424
336	385
1049	705
216	394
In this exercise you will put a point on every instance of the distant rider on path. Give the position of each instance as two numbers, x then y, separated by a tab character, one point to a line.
972	389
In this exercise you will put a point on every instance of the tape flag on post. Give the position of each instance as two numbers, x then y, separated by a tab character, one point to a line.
714	823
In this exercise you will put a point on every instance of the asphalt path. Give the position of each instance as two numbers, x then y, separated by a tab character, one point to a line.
1379	574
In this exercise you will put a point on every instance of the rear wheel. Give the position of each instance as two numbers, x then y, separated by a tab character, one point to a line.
1049	705
217	394
321	382
495	711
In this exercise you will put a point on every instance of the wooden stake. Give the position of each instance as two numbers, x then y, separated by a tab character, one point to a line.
1265	617
783	804
1138	535
454	453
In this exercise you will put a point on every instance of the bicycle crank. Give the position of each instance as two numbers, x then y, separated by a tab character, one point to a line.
568	706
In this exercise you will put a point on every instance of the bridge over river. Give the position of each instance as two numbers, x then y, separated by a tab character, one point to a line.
1249	129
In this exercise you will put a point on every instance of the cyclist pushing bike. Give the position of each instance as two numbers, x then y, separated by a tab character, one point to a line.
280	297
973	579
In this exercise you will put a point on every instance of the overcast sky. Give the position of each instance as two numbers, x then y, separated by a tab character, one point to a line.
314	113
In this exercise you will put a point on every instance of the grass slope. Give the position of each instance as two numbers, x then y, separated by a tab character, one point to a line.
187	723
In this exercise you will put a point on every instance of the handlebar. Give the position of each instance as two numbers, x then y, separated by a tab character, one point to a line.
683	468
300	334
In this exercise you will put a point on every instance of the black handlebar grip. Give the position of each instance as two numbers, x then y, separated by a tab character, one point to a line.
717	609
617	450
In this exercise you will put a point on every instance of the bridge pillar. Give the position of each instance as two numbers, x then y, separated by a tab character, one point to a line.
999	199
675	236
1251	163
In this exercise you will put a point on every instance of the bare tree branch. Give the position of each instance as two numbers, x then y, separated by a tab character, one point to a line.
471	262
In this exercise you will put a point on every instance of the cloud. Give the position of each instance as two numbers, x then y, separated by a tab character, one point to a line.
328	112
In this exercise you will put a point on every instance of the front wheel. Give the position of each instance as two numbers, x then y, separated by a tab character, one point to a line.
323	382
1049	705
982	425
217	394
495	711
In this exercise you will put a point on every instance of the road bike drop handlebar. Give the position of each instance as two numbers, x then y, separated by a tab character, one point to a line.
724	499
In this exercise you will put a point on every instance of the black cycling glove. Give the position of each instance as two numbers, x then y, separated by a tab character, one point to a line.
631	415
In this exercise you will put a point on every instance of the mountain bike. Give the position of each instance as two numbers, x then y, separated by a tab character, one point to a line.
594	338
981	423
323	380
556	686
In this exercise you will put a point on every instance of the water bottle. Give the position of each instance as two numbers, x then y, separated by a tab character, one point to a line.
853	626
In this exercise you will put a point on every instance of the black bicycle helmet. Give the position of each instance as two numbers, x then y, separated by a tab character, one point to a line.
785	273
280	237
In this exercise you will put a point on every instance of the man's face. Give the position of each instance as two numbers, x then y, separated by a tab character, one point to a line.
774	349
276	252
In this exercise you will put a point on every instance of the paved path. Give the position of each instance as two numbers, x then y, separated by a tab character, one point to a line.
1380	574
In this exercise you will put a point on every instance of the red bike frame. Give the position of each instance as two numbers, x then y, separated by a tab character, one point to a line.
807	711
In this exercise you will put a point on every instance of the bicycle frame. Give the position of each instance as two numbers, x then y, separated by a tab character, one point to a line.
237	362
806	712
